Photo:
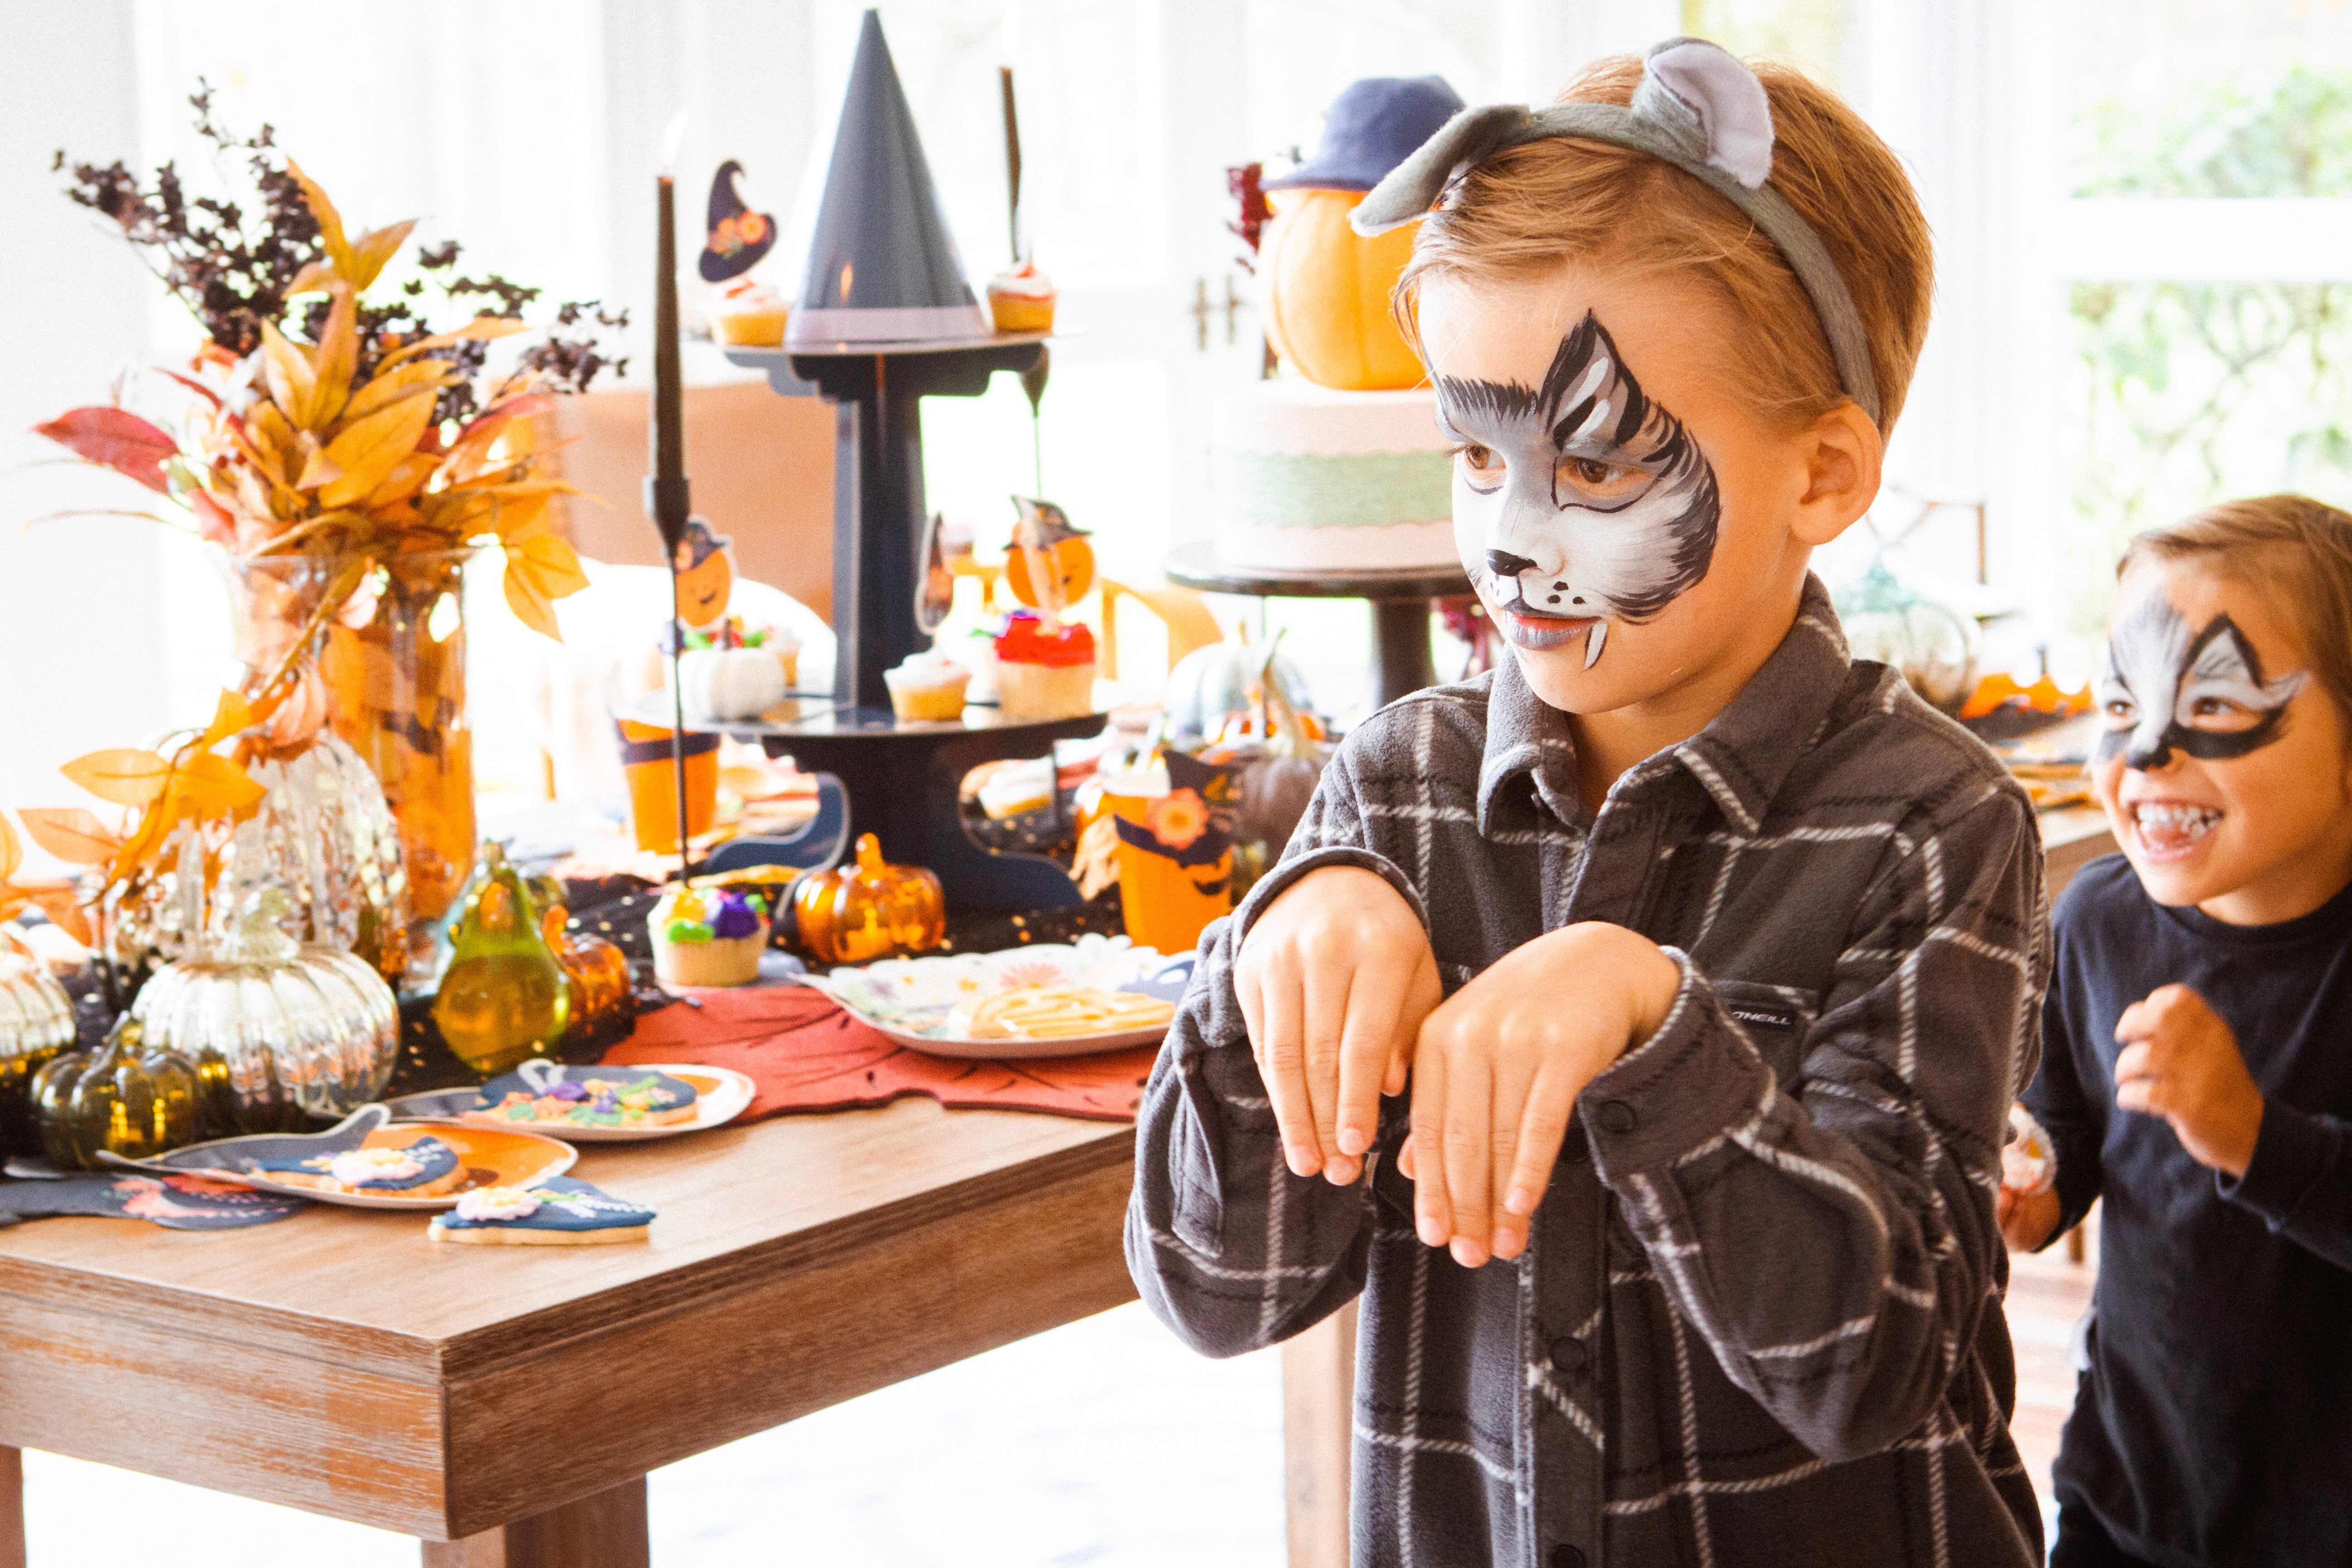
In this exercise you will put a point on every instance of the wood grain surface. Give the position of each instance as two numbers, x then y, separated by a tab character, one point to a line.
605	1530
341	1363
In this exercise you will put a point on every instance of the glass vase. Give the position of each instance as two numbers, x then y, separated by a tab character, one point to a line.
392	668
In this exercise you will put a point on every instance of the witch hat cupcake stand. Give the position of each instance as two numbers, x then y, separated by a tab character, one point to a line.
885	319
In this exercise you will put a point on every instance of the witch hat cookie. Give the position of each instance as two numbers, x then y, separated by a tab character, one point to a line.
735	237
881	265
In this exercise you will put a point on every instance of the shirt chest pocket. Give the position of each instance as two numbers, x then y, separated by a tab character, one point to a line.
1775	1018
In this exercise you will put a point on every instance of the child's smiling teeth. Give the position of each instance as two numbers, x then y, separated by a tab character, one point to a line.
2167	826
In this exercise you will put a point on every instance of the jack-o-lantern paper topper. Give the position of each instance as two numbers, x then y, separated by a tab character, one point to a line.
705	575
737	236
1043	531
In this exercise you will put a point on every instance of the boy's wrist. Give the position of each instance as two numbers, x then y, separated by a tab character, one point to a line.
1646	980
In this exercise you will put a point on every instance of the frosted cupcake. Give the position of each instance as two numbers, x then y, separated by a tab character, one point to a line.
748	315
1043	672
709	936
927	686
1022	300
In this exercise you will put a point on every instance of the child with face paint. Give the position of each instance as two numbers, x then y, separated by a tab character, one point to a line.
1711	960
2196	1063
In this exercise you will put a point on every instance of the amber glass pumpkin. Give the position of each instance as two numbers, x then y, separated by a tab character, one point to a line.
1323	293
869	910
598	971
127	1100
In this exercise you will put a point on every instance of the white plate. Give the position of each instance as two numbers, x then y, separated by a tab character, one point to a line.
721	1095
908	999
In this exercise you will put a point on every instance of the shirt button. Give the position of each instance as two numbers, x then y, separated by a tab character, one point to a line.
1567	1353
1567	1556
1616	1116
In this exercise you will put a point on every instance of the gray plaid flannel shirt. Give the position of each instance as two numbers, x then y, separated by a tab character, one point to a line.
1760	1320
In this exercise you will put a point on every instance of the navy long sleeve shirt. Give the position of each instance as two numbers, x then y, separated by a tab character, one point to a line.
2214	1425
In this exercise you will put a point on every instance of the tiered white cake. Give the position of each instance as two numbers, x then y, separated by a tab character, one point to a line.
1308	479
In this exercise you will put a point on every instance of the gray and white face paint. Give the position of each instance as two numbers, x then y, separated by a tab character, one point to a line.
2165	688
1593	503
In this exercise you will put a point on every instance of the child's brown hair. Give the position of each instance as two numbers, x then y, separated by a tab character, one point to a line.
1531	207
2295	552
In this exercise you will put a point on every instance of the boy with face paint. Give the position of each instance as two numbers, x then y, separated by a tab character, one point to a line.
2195	1070
1633	1030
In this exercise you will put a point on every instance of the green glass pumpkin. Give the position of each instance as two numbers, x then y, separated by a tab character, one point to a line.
504	998
127	1100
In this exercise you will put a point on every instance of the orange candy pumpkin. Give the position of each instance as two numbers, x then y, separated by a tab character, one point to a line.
1323	292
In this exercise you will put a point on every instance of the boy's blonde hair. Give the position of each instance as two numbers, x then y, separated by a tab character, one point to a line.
2295	552
1530	208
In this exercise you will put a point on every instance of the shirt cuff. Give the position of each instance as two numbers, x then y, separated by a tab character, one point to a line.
2292	1152
1274	883
1682	1087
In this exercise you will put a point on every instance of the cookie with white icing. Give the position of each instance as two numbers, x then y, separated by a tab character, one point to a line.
424	1168
561	1213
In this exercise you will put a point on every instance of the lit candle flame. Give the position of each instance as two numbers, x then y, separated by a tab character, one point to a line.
670	140
1011	41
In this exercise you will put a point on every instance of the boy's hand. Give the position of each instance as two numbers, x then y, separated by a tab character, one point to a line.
1497	1071
1334	980
2181	1062
2026	1219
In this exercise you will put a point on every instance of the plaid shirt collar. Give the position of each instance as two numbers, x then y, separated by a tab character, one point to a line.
1740	759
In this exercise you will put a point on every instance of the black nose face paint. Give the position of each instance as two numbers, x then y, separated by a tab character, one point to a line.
2165	688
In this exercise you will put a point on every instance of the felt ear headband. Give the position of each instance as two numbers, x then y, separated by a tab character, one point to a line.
1697	108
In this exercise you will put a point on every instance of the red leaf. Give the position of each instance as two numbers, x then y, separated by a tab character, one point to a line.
193	385
793	1043
116	439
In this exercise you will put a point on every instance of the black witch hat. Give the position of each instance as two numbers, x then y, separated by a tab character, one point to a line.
881	266
736	237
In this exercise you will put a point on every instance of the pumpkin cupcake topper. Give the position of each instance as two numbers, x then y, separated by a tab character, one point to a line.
1051	566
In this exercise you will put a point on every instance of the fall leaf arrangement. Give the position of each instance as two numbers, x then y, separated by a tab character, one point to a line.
326	419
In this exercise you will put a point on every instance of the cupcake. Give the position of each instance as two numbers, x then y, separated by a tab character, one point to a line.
1044	672
927	686
748	315
1022	300
709	936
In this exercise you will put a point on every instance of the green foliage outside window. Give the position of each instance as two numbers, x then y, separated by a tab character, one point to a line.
2183	394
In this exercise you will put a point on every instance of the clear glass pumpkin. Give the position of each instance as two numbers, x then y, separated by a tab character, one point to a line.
279	1032
1933	645
36	1022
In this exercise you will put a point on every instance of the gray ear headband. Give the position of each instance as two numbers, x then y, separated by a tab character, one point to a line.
1697	108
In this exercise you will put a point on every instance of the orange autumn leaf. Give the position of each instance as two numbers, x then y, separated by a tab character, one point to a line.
541	569
147	837
387	387
123	775
339	356
59	901
292	379
12	853
231	714
71	834
372	249
368	449
330	222
313	278
212	785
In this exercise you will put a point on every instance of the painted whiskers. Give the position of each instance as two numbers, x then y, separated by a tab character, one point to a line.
1601	508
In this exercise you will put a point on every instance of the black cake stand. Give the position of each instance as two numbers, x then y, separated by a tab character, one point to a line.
1402	660
902	779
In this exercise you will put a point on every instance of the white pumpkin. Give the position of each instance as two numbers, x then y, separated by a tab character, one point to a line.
724	683
1210	682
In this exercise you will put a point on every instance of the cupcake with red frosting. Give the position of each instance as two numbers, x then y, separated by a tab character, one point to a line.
1044	670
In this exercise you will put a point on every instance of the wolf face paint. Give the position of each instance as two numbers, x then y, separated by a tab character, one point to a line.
1580	501
2165	688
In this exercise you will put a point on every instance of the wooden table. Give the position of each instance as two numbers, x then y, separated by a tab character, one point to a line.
507	1402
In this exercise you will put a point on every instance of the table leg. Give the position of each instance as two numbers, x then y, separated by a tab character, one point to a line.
1318	1403
1402	661
12	1508
605	1529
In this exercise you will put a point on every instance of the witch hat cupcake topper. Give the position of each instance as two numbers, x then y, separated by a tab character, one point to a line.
735	238
881	265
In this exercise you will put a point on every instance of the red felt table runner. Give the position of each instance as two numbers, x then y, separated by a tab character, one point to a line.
805	1053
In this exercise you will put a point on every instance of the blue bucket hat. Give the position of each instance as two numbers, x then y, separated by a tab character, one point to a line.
1373	126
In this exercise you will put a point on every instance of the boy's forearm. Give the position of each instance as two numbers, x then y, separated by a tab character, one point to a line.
2300	1180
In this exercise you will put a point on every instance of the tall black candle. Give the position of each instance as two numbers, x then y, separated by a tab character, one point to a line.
669	441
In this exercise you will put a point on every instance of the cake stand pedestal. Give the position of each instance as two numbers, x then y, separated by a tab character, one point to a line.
1402	658
902	779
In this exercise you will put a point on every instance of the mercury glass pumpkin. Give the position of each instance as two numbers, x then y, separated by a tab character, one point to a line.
131	1100
1930	644
322	835
279	1032
36	1022
869	910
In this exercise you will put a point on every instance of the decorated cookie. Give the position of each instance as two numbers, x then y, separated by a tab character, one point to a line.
424	1168
561	1213
585	1097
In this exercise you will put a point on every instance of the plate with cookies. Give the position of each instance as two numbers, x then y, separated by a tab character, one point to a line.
591	1104
1098	993
366	1161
